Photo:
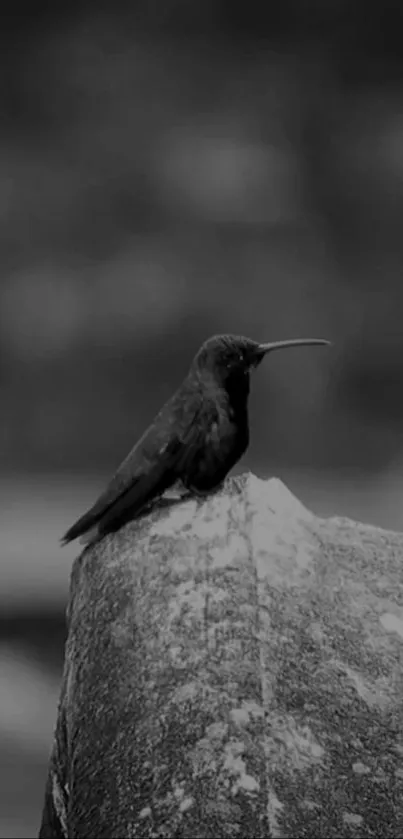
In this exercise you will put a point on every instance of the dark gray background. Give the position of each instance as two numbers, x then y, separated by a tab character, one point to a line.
167	173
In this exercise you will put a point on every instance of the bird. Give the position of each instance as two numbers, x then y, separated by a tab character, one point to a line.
197	437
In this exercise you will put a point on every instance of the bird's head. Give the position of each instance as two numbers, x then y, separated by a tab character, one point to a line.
230	358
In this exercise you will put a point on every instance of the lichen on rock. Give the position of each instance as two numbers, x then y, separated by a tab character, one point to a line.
230	663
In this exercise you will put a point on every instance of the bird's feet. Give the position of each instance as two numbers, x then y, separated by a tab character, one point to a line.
175	492
180	492
203	493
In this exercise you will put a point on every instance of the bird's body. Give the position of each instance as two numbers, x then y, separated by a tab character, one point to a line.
197	437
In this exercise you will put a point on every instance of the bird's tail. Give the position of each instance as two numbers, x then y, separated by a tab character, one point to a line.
86	527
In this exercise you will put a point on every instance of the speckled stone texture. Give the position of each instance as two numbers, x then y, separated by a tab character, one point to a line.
233	669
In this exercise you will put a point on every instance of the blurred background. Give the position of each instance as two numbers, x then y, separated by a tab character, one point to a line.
169	170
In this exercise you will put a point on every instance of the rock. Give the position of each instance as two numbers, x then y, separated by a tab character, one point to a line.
233	669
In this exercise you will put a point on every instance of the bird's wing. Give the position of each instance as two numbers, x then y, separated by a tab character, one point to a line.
148	470
139	478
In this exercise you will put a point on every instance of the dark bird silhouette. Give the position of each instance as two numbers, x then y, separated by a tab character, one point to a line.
196	438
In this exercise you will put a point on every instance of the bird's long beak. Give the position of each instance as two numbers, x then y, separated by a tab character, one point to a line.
282	345
295	342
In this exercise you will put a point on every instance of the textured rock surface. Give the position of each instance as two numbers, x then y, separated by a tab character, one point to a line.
233	668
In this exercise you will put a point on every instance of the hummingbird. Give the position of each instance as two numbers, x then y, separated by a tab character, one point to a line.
196	438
